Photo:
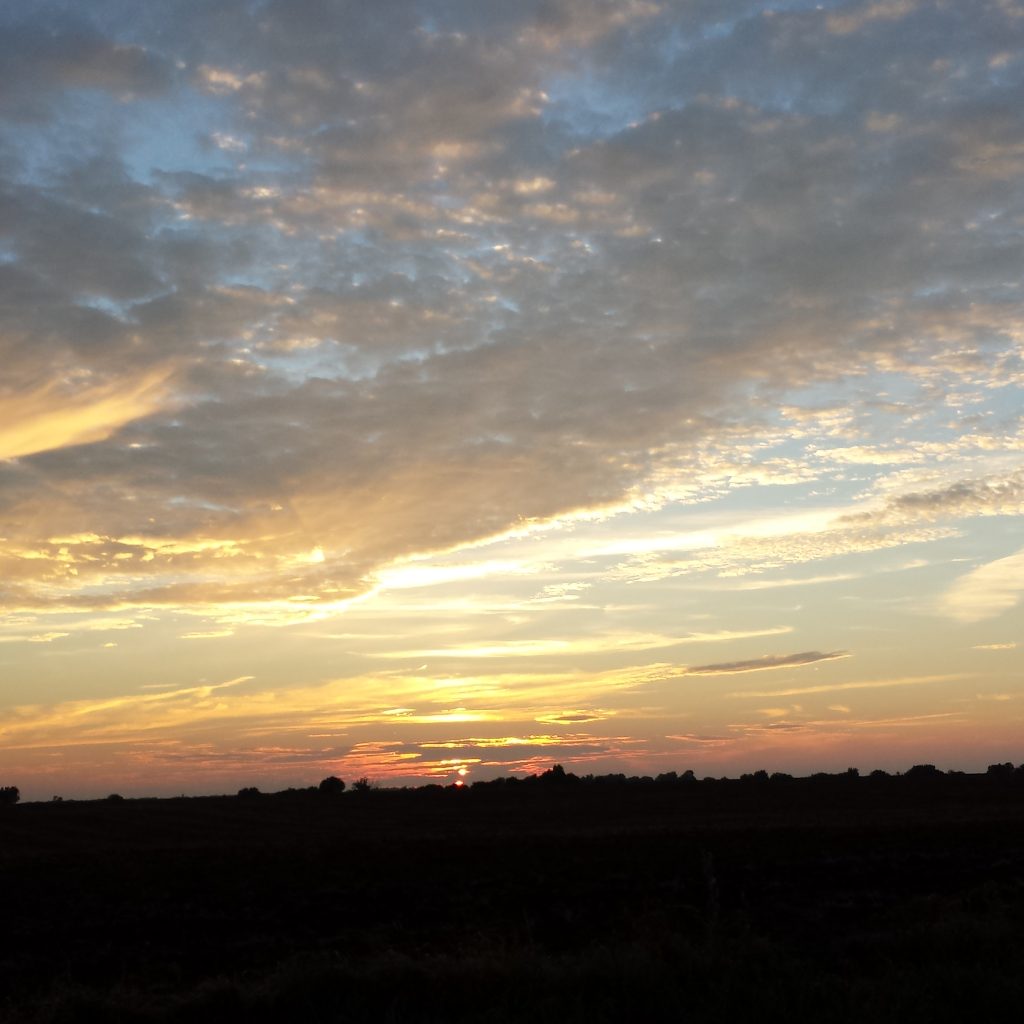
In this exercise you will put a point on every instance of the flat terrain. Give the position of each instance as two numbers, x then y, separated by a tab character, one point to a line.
845	900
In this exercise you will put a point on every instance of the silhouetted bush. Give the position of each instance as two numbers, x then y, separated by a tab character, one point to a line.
115	798
362	785
9	795
248	792
331	786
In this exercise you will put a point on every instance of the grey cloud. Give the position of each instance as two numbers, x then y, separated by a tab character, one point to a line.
985	496
39	62
768	661
572	718
996	495
82	251
45	334
97	180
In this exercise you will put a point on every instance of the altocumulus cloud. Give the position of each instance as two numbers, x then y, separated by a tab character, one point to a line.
371	280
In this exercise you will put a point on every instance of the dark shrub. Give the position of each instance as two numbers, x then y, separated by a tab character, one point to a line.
331	786
9	795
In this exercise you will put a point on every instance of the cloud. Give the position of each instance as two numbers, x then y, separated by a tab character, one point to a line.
865	14
39	64
764	663
397	283
874	684
992	495
540	647
738	555
46	419
564	647
572	717
32	638
987	591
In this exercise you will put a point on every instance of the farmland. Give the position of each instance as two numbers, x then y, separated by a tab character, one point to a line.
896	898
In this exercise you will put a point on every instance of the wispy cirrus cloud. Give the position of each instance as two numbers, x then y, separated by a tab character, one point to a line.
870	684
560	647
52	418
987	591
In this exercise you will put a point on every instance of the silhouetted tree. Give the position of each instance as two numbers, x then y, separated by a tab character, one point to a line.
9	795
332	786
361	785
1000	771
115	798
248	792
556	776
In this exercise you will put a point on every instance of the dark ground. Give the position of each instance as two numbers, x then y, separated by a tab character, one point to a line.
836	899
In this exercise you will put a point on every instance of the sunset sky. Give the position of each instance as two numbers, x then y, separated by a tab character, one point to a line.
392	388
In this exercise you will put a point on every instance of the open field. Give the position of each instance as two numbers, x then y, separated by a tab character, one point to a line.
846	900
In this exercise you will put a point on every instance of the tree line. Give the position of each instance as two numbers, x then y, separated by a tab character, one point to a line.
918	776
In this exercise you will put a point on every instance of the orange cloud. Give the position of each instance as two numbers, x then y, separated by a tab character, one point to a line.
45	419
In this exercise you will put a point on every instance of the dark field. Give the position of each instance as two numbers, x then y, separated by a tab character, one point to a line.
839	899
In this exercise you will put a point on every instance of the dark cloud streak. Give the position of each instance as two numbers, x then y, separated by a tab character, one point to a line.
766	662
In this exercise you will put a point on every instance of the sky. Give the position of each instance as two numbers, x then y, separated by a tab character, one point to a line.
407	389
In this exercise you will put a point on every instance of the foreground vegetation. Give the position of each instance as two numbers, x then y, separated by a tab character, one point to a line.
836	897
